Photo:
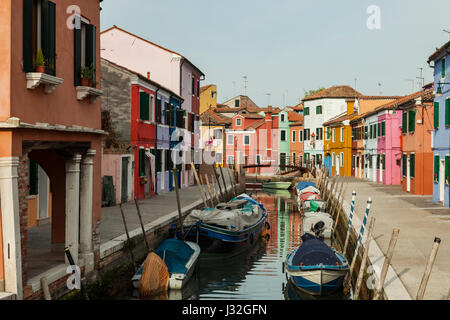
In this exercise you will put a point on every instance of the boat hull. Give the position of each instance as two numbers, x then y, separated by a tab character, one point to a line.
317	282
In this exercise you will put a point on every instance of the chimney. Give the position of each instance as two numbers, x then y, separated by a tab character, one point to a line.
148	75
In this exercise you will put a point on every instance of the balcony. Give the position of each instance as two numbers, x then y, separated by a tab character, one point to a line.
50	83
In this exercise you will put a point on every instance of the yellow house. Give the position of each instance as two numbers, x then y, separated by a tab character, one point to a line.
208	97
338	141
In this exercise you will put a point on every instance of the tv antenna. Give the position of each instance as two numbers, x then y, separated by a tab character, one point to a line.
446	31
422	83
379	86
412	83
245	84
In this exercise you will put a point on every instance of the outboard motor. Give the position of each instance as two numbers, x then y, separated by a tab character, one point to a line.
318	229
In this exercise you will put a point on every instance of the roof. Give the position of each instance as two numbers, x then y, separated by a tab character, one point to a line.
442	50
298	107
251	115
294	116
206	87
209	116
340	118
142	77
256	124
154	44
296	124
335	92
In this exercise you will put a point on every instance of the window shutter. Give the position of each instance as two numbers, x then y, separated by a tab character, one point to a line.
447	169
144	106
405	124
142	162
436	168
412	120
28	36
436	115
443	68
383	129
383	159
447	112
51	43
77	52
91	47
404	168
413	165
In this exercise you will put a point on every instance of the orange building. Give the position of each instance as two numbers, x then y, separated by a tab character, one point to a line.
50	122
296	136
417	157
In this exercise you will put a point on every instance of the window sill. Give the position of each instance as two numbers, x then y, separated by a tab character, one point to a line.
84	92
35	79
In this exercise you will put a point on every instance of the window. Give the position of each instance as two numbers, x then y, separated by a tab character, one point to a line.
436	115
319	134
412	121
306	111
238	122
283	118
353	162
328	134
217	134
169	162
39	32
246	140
198	88
319	110
144	106
84	49
193	86
342	159
405	122
230	160
306	135
152	108
258	159
447	170
283	135
218	157
412	165
342	134
319	159
333	159
383	161
158	160
237	103
436	168
383	128
300	135
404	165
294	133
447	112
158	111
294	158
443	68
366	133
379	129
142	162
230	140
378	161
334	135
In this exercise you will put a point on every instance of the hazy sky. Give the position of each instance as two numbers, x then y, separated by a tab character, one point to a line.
291	46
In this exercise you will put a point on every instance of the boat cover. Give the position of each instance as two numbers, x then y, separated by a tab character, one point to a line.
249	199
309	196
305	184
314	252
175	253
233	220
310	190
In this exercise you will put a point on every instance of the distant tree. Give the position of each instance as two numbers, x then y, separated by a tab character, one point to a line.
311	92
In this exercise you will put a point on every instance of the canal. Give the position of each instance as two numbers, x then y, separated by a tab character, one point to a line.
255	274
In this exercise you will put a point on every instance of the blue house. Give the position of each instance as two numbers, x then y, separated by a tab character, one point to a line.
441	136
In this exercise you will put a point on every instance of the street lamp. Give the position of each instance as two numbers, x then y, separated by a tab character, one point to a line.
439	89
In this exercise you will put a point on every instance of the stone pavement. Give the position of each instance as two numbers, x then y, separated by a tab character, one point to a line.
420	220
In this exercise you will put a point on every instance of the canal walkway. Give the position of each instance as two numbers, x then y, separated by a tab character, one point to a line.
420	220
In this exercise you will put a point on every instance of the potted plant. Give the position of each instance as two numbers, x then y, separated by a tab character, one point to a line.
86	75
143	180
92	82
40	62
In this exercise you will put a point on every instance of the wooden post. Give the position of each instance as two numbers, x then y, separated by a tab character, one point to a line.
335	198
128	238
220	188
387	262
142	223
349	228
216	192
45	289
199	184
362	269
330	192
338	213
429	267
340	199
211	197
232	183
224	184
180	215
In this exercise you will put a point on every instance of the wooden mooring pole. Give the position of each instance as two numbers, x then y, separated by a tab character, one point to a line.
224	183
362	269
130	248
429	267
387	263
215	191
180	215
211	197
220	187
142	223
349	228
200	186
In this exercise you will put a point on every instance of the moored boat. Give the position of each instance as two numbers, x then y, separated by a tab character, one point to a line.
180	257
319	224
277	185
315	268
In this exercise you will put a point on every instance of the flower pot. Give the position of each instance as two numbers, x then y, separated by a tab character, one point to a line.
40	69
91	83
84	82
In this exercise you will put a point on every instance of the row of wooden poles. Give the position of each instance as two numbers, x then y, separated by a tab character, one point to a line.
333	192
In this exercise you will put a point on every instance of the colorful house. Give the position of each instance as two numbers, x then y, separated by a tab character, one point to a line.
318	109
296	142
441	116
208	98
173	71
283	139
212	128
49	121
417	157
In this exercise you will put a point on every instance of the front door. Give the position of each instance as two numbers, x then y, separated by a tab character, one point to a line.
381	169
442	181
283	161
337	165
124	184
408	174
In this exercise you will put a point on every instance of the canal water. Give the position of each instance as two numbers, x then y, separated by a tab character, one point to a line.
255	274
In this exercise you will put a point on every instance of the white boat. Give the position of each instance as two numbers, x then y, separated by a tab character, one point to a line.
307	205
169	254
319	224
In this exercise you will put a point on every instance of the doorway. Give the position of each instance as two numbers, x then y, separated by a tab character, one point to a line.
124	180
442	181
408	174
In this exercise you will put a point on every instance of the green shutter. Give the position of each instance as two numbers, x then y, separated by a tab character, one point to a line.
51	42
443	68
436	168
447	112
404	165
405	124
144	106
383	159
447	170
436	115
90	53
412	121
28	36
413	165
142	162
77	52
383	128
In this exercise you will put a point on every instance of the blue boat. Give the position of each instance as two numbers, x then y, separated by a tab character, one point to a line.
305	184
315	268
227	229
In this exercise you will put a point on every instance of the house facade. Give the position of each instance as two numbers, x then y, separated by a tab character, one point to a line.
417	155
208	97
296	141
441	120
173	71
284	139
212	143
49	121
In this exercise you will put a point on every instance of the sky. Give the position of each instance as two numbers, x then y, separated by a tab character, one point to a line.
288	47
